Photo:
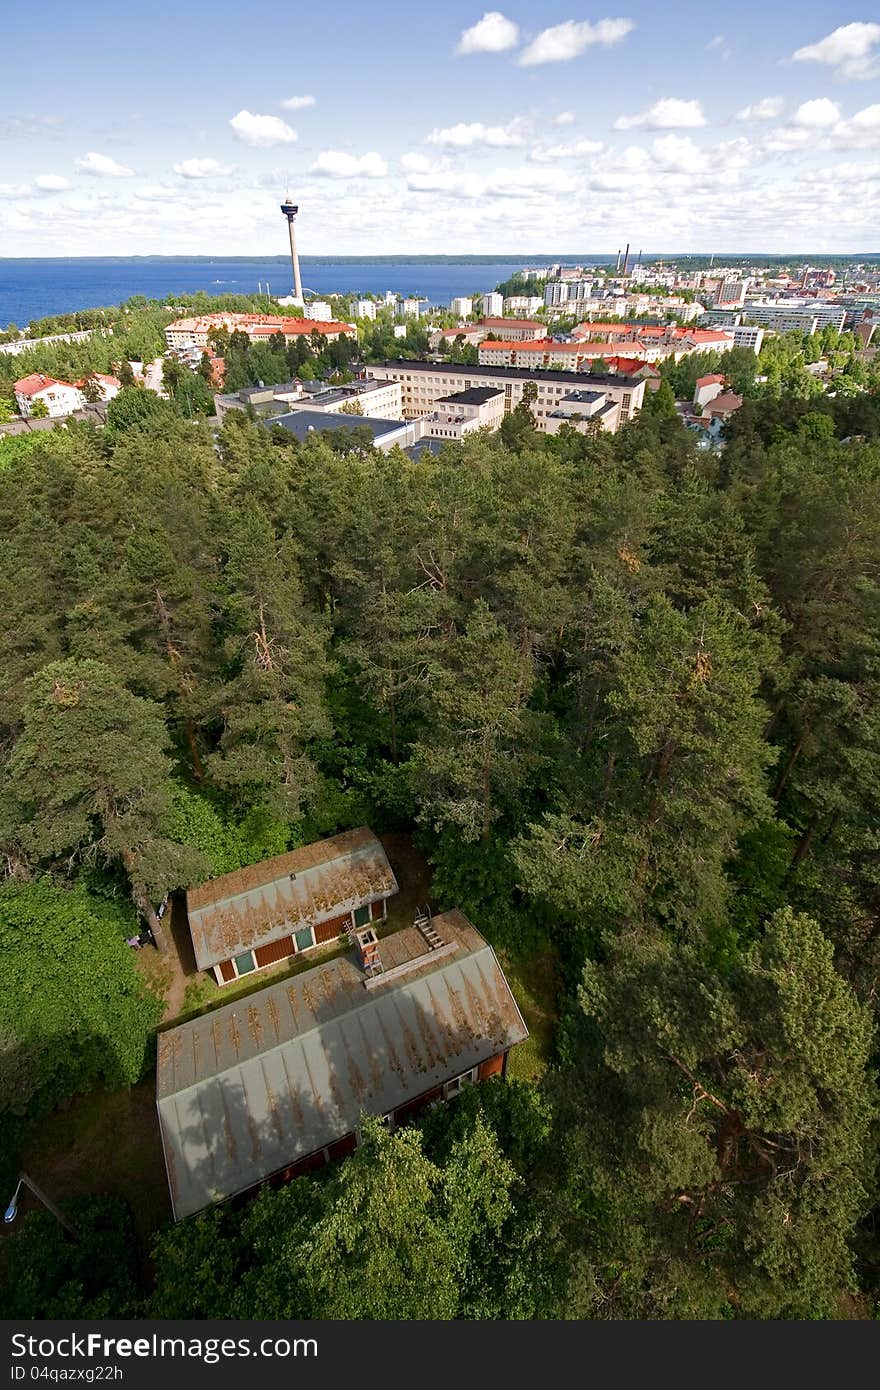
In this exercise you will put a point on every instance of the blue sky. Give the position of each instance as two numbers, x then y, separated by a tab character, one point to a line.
172	129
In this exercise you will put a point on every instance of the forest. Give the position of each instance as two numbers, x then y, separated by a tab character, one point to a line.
621	692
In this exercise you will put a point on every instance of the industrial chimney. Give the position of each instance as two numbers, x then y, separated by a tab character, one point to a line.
625	259
290	210
617	267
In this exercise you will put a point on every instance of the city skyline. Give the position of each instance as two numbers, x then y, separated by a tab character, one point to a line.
510	127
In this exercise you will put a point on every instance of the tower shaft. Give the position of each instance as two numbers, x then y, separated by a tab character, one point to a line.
290	210
294	260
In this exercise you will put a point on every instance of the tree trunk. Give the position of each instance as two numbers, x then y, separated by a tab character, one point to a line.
198	768
789	763
487	820
804	843
392	713
153	922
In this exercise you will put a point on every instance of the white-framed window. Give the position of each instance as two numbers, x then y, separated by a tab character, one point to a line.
458	1083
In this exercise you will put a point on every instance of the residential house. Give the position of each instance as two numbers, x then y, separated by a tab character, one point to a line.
59	397
267	912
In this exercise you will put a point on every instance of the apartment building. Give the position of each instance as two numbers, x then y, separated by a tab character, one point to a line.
492	303
523	303
424	384
804	316
743	334
462	305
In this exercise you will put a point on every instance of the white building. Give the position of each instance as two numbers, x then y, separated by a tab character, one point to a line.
524	304
707	388
365	309
462	305
412	308
744	334
463	412
424	384
805	316
59	397
492	303
372	399
320	310
108	386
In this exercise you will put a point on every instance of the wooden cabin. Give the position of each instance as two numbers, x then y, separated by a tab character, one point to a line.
276	1084
267	912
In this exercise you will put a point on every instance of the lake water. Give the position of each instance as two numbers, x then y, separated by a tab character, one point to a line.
31	289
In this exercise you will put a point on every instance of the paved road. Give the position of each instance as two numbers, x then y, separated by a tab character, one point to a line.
153	377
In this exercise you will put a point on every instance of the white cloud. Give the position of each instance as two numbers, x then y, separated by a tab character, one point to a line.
679	154
565	41
767	109
861	131
15	190
468	133
564	118
438	180
851	50
817	114
261	132
494	33
573	150
52	183
414	163
103	167
297	103
336	164
665	114
200	168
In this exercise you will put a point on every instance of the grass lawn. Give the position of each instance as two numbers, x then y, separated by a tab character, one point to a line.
535	985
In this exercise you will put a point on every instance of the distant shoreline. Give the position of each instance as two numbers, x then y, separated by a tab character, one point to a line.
493	259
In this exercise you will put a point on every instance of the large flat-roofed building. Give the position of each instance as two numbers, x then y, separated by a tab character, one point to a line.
267	912
276	1084
380	400
385	434
425	383
786	315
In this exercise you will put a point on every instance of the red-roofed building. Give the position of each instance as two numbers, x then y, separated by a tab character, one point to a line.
193	332
707	388
59	397
514	330
541	352
723	406
105	387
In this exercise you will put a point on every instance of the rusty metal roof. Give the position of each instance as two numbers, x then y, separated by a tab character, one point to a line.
245	1091
263	902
